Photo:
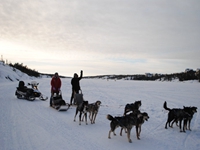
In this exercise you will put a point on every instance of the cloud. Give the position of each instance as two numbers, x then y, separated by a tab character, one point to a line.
105	32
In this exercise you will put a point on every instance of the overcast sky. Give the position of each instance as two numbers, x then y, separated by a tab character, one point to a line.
101	36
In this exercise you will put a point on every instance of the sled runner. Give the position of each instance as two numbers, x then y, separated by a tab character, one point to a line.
57	102
78	98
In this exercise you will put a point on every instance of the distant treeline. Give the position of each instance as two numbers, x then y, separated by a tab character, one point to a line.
25	69
28	71
188	74
184	76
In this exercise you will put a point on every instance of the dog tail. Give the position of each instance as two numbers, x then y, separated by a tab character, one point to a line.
109	117
165	106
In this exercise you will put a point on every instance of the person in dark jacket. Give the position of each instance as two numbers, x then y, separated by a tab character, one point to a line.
75	85
55	86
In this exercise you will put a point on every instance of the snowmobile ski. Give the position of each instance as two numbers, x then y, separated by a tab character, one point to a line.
43	98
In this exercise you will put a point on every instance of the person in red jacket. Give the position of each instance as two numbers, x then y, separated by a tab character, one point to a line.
55	86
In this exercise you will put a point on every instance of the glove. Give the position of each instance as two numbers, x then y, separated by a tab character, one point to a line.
54	88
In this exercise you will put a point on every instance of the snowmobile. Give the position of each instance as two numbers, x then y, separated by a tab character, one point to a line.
23	92
57	102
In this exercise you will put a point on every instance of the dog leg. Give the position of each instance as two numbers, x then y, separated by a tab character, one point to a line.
125	130
180	122
128	135
114	133
168	122
189	125
94	117
138	130
85	118
80	118
91	117
172	123
166	125
185	125
75	116
90	113
109	134
121	131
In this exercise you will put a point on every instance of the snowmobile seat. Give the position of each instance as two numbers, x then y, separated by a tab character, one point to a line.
23	91
21	86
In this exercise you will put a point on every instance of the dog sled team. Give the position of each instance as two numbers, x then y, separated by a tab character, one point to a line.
131	117
127	121
179	115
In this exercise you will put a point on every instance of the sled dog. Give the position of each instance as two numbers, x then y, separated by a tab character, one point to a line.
127	122
82	109
132	107
141	118
93	109
175	115
191	111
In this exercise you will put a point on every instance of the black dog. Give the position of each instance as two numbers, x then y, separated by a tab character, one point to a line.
132	107
191	111
82	108
140	119
125	122
175	115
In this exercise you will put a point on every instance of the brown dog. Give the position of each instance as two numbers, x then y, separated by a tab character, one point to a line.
93	109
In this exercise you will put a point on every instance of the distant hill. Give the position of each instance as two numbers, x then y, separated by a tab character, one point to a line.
188	74
9	73
17	72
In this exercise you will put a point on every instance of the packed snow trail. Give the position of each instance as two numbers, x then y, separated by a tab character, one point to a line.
35	126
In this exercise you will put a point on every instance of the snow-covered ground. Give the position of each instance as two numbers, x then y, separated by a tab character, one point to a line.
26	125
